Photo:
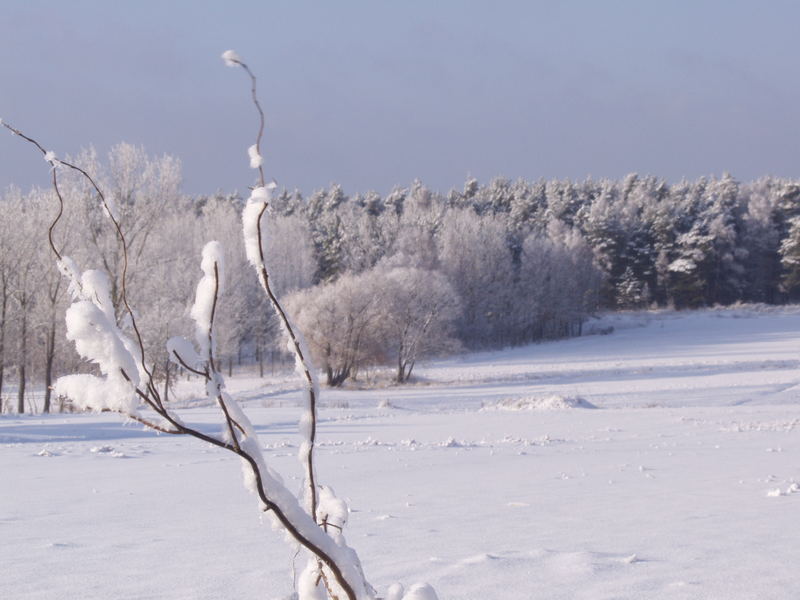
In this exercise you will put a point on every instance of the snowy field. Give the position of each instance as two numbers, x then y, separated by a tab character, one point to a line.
487	477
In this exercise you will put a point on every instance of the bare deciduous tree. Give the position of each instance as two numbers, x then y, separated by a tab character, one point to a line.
420	310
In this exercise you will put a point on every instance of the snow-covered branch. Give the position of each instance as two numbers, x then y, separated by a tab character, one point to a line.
125	383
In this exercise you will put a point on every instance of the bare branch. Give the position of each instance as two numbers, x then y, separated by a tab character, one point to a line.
151	425
303	363
254	97
187	367
311	409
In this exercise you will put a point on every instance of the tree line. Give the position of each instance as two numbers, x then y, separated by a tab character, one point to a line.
387	279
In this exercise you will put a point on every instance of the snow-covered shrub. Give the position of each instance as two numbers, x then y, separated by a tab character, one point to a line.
386	315
340	320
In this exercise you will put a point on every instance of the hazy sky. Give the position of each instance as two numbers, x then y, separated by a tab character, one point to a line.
373	94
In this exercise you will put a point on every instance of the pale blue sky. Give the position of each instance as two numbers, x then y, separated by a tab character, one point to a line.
372	94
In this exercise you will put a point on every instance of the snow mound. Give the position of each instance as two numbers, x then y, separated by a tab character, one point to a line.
554	402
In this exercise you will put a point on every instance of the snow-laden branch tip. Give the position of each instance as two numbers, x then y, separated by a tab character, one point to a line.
51	158
255	158
91	325
205	298
231	58
256	203
182	352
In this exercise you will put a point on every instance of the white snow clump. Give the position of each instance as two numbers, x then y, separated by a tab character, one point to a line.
207	288
258	199
309	584
92	326
420	591
255	158
395	592
554	402
332	509
185	350
231	58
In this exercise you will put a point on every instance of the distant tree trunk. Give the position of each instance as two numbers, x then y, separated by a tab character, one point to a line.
23	357
336	377
50	351
3	309
50	344
404	368
230	366
166	380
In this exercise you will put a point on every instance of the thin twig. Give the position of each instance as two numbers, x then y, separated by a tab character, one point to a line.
151	425
187	367
262	120
303	361
296	347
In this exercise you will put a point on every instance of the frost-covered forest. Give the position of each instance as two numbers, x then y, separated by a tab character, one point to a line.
397	278
492	265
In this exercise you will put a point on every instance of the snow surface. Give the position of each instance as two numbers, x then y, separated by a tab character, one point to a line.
683	483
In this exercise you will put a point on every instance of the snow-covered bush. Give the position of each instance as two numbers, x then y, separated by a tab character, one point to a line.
420	309
387	315
340	320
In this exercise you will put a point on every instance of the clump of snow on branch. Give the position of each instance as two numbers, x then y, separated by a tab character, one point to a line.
258	200
70	271
309	583
95	285
50	157
296	344
205	297
231	58
181	349
90	392
255	158
332	510
91	325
